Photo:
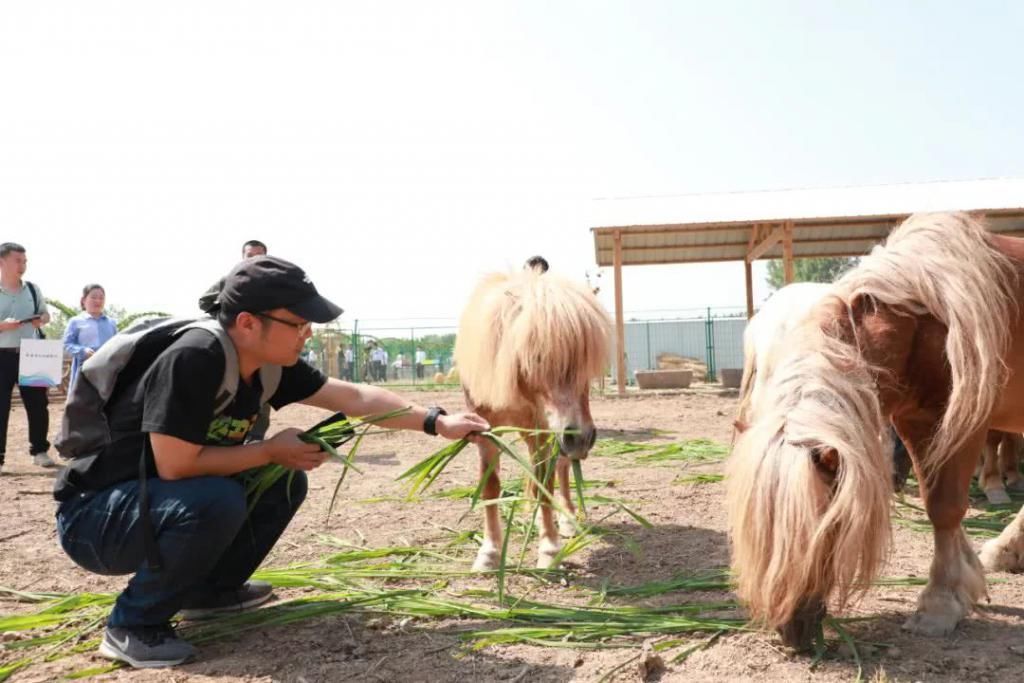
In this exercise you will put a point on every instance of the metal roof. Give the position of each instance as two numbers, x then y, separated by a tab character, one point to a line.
832	222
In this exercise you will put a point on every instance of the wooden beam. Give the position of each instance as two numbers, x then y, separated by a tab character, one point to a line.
798	223
769	241
787	251
755	235
748	273
831	253
620	321
869	240
733	259
872	240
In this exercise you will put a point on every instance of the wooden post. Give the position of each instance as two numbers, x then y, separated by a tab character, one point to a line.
620	323
787	251
331	349
748	272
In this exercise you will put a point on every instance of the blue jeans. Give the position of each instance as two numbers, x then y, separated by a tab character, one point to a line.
207	542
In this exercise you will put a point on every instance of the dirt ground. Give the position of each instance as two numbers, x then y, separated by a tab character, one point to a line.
688	535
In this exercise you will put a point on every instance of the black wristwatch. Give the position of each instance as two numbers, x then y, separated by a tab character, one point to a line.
430	421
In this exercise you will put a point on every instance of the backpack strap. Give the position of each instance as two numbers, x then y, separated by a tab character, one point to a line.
270	375
229	383
35	298
270	380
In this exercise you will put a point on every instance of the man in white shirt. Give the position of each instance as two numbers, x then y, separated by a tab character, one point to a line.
346	368
22	313
376	357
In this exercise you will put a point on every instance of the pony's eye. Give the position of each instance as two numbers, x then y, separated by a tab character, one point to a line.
825	458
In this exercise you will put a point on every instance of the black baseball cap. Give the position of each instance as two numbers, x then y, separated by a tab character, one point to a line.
264	283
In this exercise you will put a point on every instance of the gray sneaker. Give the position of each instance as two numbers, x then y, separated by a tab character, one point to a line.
42	460
248	595
146	647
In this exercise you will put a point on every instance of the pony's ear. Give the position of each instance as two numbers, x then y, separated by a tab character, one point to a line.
841	320
832	315
860	306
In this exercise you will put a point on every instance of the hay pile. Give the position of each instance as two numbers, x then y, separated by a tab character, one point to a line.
673	361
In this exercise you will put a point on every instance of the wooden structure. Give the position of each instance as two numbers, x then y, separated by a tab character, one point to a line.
786	225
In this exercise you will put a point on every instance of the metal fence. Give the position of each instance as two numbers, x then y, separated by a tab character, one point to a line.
712	336
385	353
419	355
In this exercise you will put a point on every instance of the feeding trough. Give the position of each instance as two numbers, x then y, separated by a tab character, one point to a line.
730	377
664	379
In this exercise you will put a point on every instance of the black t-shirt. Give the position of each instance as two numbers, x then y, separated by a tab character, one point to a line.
176	397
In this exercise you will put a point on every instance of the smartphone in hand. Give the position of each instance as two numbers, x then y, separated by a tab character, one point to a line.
25	321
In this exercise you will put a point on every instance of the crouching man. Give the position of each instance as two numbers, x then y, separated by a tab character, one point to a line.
158	499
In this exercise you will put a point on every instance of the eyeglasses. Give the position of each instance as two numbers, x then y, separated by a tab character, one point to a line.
301	328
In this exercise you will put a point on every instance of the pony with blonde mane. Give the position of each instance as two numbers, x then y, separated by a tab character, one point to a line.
528	346
764	338
926	333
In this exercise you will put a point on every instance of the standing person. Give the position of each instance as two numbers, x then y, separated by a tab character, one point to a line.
348	368
384	358
253	248
205	537
376	356
23	312
89	330
421	358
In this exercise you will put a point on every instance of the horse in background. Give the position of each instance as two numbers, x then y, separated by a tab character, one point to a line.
925	332
529	344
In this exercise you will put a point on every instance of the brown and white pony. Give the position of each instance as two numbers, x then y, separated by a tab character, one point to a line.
764	340
925	332
528	346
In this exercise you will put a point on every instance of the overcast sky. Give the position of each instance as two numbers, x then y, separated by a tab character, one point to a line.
397	151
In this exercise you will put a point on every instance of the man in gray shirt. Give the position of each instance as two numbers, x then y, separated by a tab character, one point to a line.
22	314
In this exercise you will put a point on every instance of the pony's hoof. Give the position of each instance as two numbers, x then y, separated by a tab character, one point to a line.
938	612
997	496
487	559
931	625
1017	485
996	557
547	555
547	561
566	526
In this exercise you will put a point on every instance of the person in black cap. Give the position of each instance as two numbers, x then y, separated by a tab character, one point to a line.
207	539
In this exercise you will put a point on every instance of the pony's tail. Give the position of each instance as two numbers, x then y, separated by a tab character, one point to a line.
802	530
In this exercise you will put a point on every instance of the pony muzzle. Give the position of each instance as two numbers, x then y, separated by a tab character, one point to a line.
576	443
799	632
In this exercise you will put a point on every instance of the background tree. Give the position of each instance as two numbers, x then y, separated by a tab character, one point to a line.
60	314
809	270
